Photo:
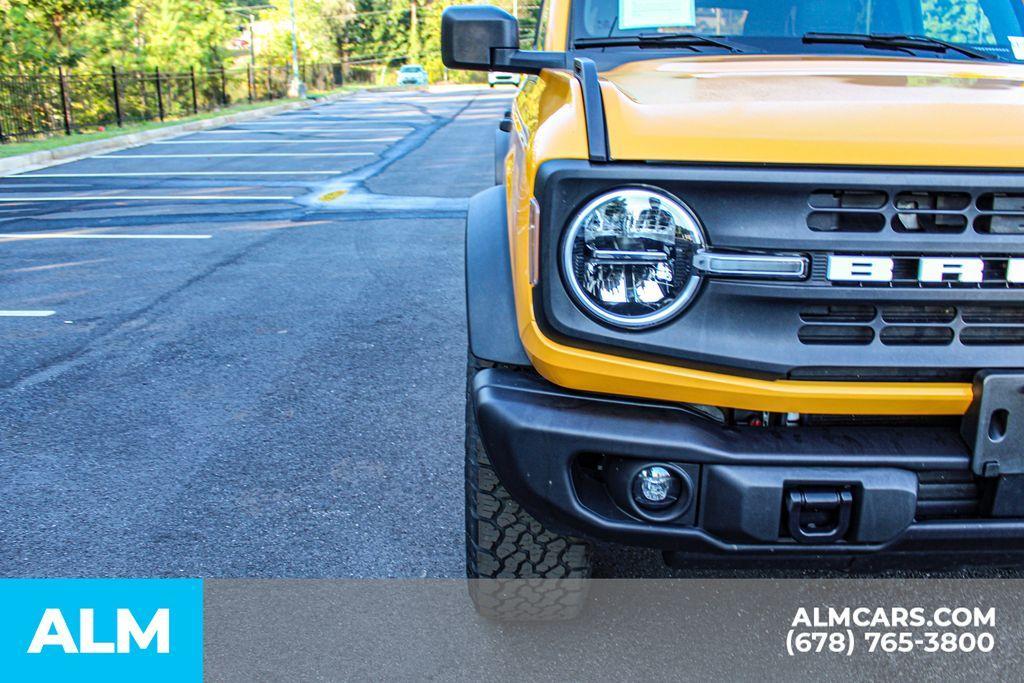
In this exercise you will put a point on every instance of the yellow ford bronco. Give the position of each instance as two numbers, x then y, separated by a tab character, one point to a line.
751	282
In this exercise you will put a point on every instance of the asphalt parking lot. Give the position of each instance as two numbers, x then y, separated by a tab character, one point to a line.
241	352
206	369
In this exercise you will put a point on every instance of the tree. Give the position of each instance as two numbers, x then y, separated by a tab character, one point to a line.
318	21
93	35
961	21
61	19
181	33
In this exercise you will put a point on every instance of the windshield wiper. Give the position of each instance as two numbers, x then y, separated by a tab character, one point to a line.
895	41
690	40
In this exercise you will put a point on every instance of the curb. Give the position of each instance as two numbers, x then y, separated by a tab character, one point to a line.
32	161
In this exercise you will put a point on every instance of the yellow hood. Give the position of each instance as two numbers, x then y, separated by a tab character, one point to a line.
801	110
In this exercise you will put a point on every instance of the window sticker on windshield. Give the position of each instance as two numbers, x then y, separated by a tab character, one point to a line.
657	13
1017	43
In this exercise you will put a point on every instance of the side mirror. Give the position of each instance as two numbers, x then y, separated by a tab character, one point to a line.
485	38
470	32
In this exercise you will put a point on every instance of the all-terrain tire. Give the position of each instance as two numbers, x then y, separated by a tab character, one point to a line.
518	569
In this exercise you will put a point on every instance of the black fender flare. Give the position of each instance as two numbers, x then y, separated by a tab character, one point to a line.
490	300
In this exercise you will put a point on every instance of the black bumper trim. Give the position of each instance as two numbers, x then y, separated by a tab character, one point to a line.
534	431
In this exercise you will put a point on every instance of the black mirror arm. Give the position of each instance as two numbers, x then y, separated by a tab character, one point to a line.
513	60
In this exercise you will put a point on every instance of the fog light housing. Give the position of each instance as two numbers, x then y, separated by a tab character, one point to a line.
656	488
652	491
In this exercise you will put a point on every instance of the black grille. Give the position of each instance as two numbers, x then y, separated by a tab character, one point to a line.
754	328
918	314
915	211
839	313
948	495
836	335
1003	214
912	324
905	335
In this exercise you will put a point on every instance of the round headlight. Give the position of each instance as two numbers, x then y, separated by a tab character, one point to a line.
628	257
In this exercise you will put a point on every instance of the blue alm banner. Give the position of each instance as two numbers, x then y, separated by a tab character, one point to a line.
101	629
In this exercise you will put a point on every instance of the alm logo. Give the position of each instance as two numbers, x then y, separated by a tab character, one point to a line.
53	631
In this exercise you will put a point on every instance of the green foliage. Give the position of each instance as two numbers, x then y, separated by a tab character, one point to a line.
91	34
170	34
174	35
44	30
960	21
318	22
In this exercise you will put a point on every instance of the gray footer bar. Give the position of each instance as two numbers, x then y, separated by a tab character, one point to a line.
629	629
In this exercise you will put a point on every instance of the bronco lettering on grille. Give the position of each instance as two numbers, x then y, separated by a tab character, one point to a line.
967	270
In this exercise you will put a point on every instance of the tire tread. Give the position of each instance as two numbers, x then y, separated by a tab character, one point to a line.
544	572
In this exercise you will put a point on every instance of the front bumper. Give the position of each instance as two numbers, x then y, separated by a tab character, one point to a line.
544	443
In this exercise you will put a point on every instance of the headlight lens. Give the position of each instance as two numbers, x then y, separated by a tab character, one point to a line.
628	257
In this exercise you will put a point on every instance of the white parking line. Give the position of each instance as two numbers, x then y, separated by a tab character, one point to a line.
240	154
274	142
310	121
165	173
53	266
26	314
227	131
403	119
8	236
121	198
408	121
409	114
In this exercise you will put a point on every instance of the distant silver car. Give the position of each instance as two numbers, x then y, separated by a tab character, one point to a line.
413	74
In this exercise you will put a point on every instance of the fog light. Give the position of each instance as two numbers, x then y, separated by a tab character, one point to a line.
655	488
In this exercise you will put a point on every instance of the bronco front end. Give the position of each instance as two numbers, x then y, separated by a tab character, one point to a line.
752	282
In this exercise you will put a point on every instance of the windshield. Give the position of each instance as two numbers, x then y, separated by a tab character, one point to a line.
994	27
410	69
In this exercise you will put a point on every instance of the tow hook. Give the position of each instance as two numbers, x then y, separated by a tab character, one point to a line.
817	516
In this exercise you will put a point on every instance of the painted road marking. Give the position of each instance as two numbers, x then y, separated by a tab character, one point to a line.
304	130
94	236
165	173
357	117
331	196
310	121
274	142
54	266
414	121
400	110
121	198
239	154
26	314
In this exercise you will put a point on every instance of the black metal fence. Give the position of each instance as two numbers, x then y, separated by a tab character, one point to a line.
70	102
